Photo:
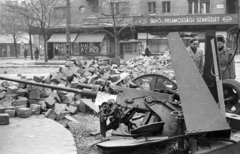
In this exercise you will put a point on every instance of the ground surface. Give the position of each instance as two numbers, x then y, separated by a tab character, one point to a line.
35	135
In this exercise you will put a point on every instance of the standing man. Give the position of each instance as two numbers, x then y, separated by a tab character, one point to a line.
225	55
25	53
3	52
196	54
36	54
147	51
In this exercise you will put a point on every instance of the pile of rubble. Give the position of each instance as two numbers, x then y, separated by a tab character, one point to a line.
18	99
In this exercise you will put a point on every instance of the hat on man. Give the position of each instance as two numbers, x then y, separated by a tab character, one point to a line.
193	39
220	38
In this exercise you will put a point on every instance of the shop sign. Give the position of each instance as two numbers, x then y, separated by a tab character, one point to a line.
187	20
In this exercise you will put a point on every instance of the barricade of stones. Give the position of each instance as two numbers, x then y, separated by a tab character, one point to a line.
21	100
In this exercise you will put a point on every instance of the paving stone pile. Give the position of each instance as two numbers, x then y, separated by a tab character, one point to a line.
21	100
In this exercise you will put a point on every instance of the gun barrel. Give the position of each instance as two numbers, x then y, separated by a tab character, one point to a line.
82	92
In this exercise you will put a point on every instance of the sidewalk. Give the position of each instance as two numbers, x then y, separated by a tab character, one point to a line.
35	135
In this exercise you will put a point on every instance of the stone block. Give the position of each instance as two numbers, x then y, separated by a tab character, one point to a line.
60	107
24	112
50	101
66	73
12	89
37	79
11	113
83	80
5	84
114	78
56	77
106	76
80	71
2	89
34	94
92	69
55	95
60	116
51	114
47	80
73	109
4	119
83	107
21	101
8	103
2	94
43	105
68	98
33	101
36	109
2	109
11	97
32	87
45	92
86	74
22	92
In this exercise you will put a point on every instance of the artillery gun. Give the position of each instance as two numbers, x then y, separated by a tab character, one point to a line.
170	118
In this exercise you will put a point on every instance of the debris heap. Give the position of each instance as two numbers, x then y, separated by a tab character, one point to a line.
18	99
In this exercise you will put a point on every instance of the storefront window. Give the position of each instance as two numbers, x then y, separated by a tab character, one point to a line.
89	48
75	48
59	49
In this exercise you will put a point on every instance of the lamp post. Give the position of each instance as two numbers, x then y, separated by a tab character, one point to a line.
68	34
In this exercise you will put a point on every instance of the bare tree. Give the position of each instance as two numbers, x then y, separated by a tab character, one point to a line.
116	11
42	11
25	18
11	25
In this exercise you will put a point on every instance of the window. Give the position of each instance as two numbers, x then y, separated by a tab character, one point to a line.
151	7
166	6
60	12
198	6
204	7
121	8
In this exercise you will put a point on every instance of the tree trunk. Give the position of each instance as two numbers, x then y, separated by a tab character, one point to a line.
45	47
116	44
15	46
30	44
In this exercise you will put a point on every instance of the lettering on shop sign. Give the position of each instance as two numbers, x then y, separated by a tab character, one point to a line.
186	20
90	48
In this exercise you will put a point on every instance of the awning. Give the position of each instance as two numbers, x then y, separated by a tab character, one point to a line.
61	38
98	37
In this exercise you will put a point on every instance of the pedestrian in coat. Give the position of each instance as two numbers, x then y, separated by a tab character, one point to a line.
25	53
36	54
225	55
196	54
147	51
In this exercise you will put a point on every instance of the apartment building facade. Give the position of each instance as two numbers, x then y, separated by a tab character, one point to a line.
142	23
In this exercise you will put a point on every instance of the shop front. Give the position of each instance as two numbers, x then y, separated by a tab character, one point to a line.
91	45
153	30
57	46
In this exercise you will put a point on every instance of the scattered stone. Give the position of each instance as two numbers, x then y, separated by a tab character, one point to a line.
36	109
34	94
11	113
51	114
21	101
50	101
2	109
5	84
4	119
24	112
3	94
